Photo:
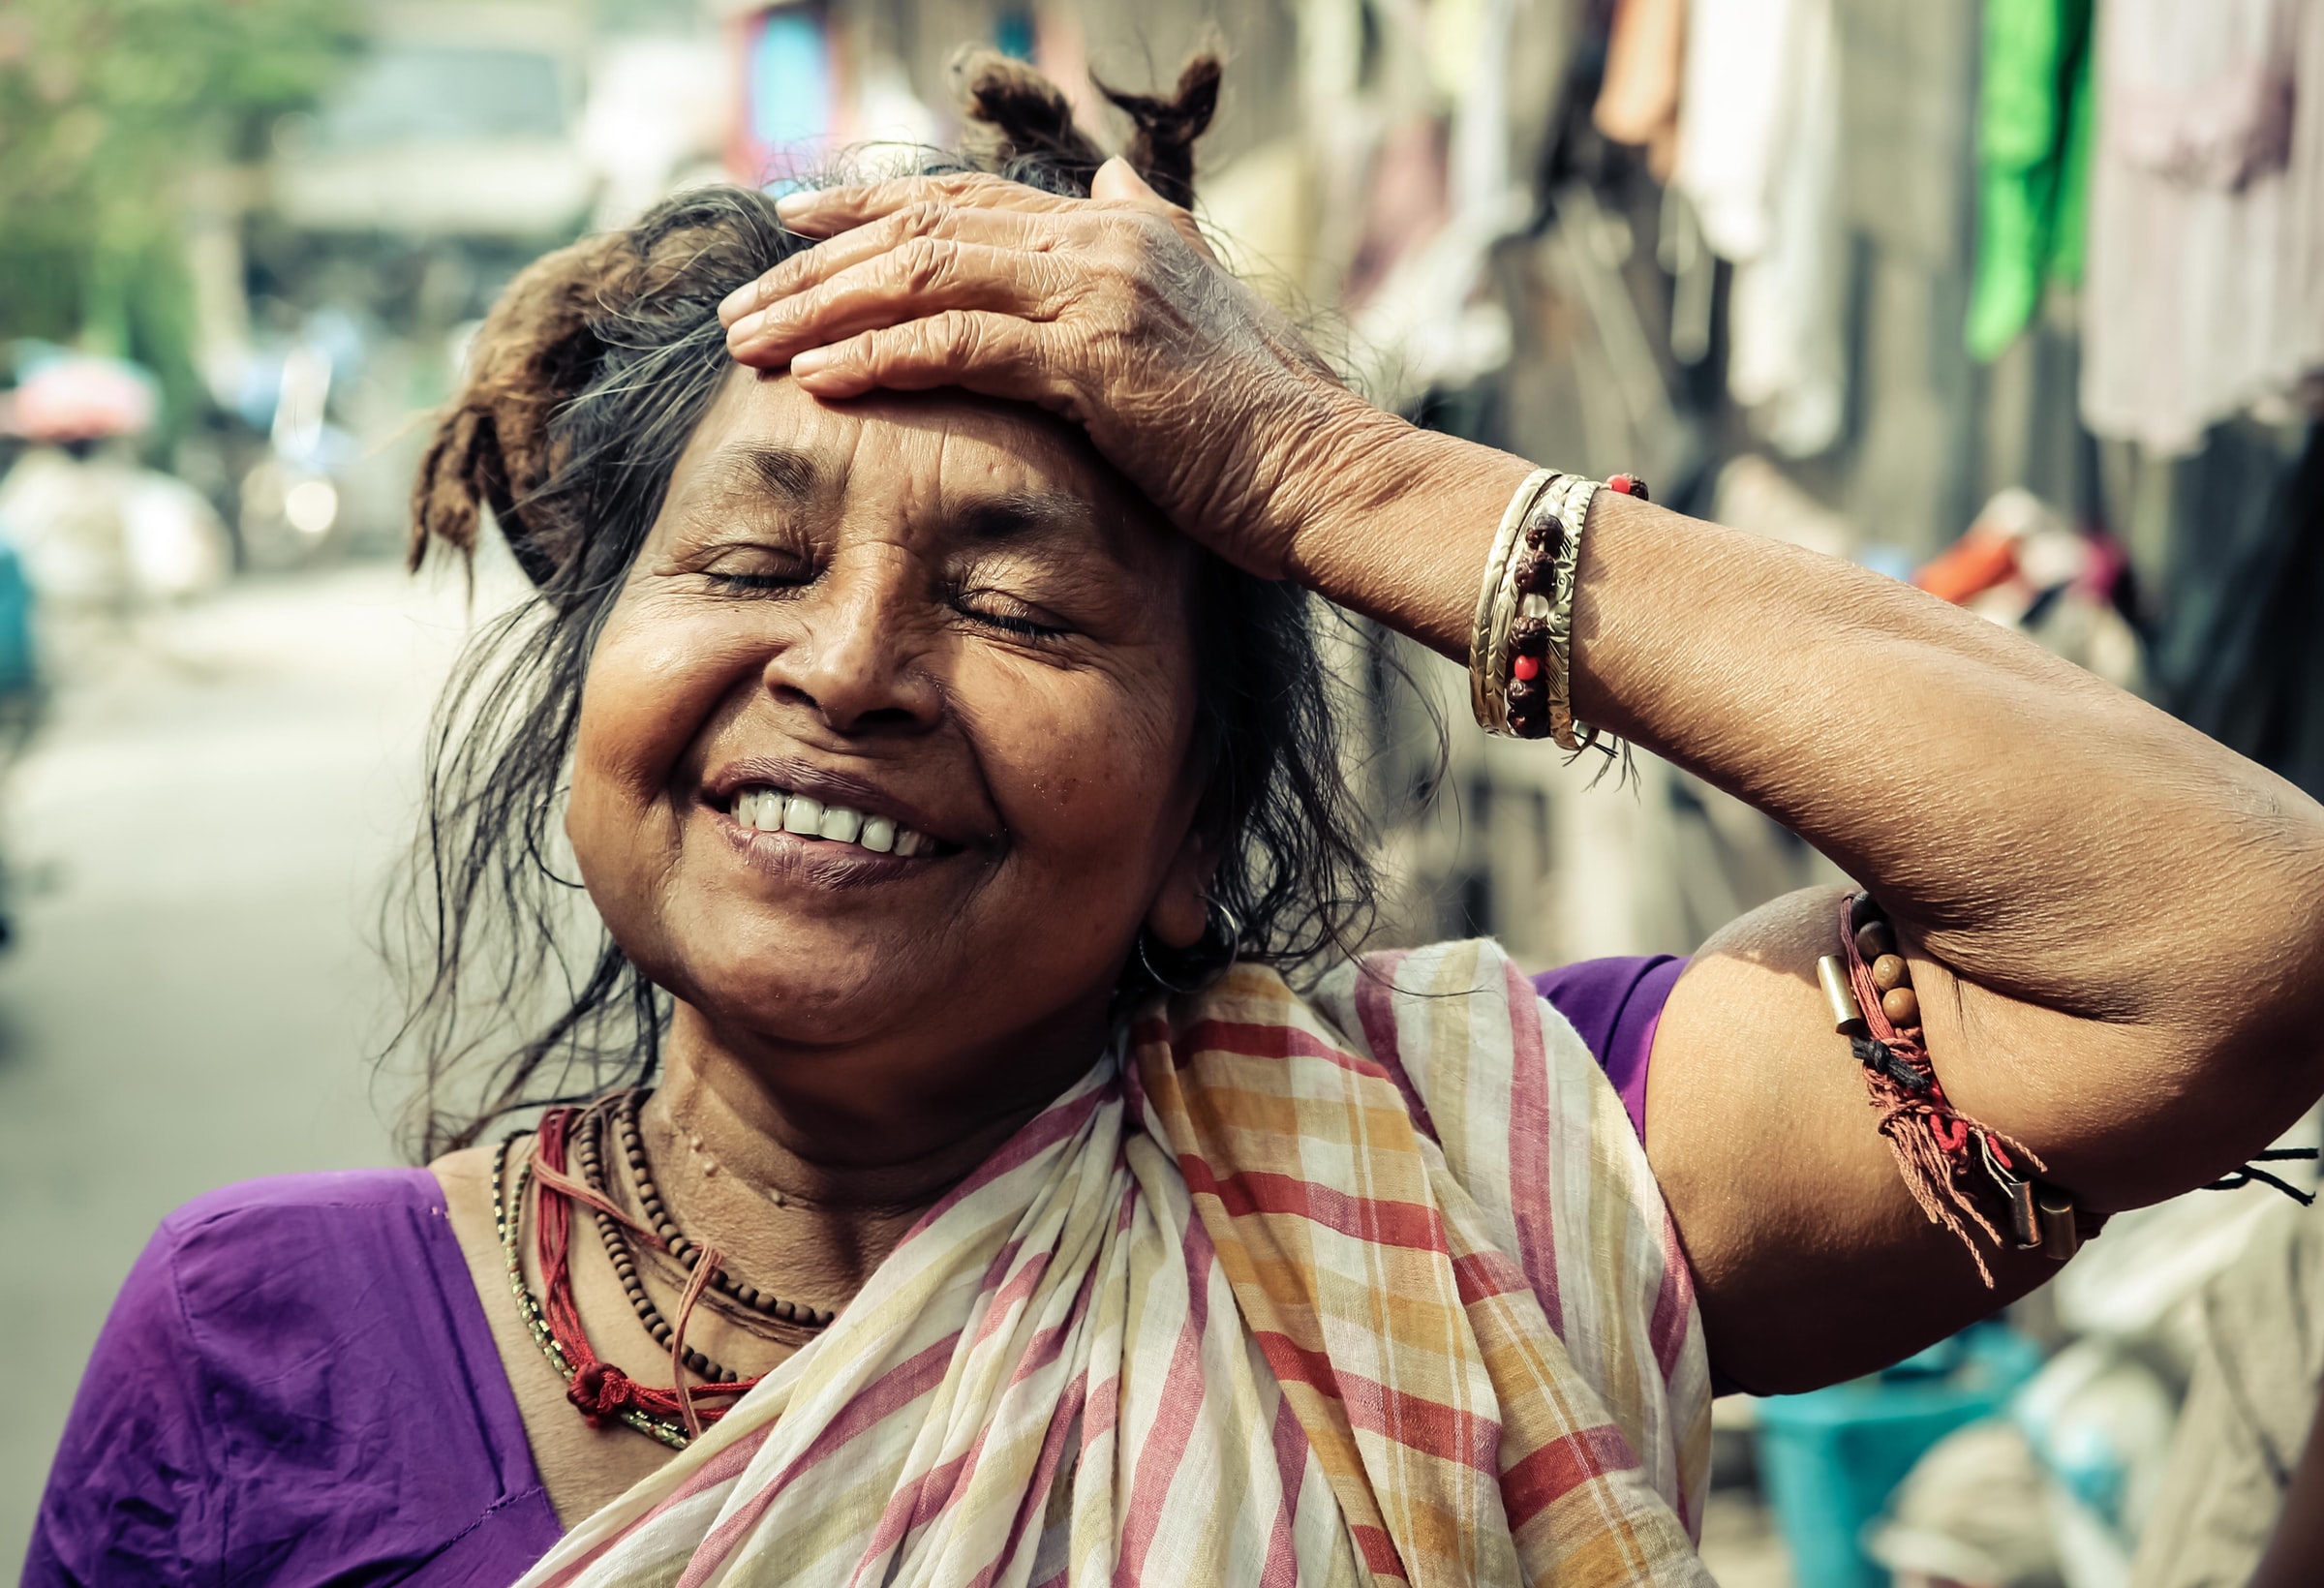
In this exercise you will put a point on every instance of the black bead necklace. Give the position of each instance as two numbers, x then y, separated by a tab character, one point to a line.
618	1250
624	1112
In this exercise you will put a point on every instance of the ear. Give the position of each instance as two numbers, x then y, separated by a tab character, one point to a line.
1181	912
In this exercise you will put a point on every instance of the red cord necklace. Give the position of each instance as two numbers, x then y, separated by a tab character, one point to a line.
597	1387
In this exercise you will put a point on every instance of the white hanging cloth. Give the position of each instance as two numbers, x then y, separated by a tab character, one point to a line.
2204	292
1758	153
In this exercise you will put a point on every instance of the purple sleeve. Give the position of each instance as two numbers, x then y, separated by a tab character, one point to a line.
124	1500
1615	1005
298	1383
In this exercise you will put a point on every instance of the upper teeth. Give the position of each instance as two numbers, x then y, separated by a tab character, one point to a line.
772	810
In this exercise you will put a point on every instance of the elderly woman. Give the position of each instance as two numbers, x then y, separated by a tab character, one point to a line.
945	1185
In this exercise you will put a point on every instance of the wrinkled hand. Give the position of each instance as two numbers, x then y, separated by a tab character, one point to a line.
1110	311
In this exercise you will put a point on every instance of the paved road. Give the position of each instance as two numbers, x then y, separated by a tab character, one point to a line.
206	825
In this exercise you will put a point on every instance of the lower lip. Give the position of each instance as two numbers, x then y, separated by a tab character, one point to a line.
822	863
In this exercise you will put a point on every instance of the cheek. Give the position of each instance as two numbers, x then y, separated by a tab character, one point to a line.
1087	768
653	681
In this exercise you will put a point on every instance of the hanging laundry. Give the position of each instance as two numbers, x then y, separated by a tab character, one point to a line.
2205	291
1638	100
2239	653
1758	146
2034	135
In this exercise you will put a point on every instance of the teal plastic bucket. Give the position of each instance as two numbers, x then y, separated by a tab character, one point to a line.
1830	1458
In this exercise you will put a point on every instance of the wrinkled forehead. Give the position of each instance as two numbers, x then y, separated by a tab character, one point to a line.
934	462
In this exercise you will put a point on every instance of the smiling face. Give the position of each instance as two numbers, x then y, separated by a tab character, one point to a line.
883	751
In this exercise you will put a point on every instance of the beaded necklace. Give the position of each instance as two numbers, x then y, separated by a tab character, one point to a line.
623	1107
504	1222
597	1388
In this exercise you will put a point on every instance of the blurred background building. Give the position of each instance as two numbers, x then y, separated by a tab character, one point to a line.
2023	301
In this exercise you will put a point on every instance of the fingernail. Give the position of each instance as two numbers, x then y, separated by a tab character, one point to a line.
810	361
736	303
795	204
745	328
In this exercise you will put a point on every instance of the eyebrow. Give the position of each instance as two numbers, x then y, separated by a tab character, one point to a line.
796	476
1025	515
785	471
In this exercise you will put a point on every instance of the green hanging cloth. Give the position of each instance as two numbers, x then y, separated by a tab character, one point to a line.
2033	134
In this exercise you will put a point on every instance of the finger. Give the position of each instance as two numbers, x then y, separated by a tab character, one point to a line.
827	259
996	355
1118	182
818	212
922	277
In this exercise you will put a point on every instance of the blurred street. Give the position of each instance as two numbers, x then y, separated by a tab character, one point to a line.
203	830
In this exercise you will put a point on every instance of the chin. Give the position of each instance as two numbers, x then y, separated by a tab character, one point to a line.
802	987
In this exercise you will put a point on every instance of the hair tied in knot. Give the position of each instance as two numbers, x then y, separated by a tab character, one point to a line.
1015	113
1162	148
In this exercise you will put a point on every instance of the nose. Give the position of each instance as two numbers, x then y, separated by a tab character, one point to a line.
857	662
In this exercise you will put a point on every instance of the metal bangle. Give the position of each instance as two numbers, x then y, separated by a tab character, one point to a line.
1487	685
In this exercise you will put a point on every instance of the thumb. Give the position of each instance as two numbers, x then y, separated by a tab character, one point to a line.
1118	182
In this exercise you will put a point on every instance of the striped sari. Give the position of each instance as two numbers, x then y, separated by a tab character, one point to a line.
1372	1286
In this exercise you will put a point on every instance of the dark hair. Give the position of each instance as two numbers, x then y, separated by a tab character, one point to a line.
582	388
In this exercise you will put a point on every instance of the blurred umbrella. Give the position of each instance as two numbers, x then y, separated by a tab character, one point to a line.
79	397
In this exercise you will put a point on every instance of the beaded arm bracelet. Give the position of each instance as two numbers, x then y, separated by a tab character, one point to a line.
1952	1163
1521	644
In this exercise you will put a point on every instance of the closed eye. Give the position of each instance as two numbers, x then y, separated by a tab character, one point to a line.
754	581
1010	617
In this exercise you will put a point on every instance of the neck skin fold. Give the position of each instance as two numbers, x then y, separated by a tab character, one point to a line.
793	1168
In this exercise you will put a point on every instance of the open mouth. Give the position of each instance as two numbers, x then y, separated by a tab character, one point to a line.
765	808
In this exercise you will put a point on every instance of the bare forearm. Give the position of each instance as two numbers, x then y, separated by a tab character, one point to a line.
2117	896
2049	836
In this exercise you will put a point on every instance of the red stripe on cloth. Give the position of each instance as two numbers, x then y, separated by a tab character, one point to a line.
1380	1555
1034	1502
1673	1302
1290	1440
936	1490
1529	1143
1251	1041
1105	1410
998	1268
1376	1013
1561	1466
1414	1421
1180	1399
919	1504
1042	1131
1021	1286
893	1391
1487	1272
723	1467
1408	1224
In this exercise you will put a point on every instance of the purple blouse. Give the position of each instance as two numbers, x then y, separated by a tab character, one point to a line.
298	1386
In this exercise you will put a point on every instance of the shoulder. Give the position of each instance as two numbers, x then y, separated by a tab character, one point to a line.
290	1369
312	1205
260	1267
